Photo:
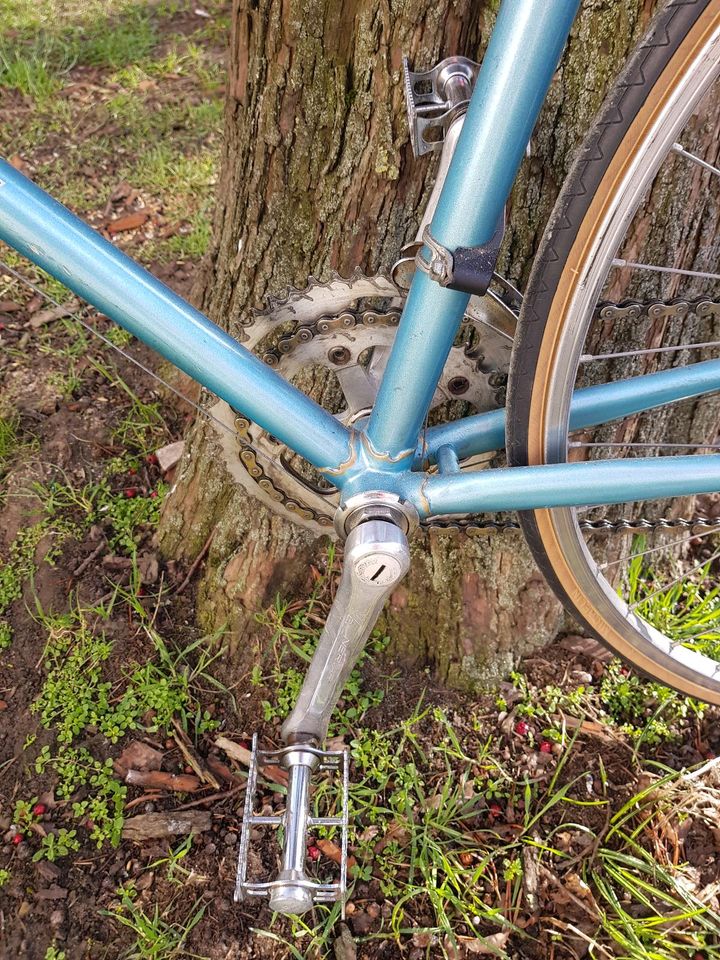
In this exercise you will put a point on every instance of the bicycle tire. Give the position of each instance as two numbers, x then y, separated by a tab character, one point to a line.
673	53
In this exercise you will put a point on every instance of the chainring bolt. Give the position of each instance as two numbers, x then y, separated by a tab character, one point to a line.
458	385
339	355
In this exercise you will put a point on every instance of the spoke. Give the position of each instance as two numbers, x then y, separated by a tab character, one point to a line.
663	546
699	633
356	386
632	265
683	576
680	149
669	446
590	357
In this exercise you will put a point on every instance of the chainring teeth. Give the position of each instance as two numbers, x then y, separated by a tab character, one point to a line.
339	325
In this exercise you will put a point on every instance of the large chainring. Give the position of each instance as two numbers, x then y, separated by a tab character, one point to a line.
343	329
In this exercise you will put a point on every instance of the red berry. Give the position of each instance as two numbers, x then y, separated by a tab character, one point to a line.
495	809
546	747
153	494
18	838
132	471
151	458
314	853
39	809
522	728
131	492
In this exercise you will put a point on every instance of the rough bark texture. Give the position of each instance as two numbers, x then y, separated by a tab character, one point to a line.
318	174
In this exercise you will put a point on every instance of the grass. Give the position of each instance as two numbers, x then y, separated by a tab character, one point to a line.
451	830
156	937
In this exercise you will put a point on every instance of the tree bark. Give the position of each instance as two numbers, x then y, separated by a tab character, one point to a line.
318	175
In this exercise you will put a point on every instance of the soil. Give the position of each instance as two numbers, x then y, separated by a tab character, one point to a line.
73	903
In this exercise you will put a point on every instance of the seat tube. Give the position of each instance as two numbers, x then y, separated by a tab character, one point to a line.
516	72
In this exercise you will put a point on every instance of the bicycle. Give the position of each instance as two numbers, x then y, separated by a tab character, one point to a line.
386	470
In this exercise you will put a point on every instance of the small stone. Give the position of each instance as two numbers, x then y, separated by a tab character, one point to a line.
230	839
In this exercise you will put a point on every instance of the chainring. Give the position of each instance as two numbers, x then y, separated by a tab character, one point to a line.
344	329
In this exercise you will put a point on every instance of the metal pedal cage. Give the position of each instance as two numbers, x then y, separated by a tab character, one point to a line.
335	760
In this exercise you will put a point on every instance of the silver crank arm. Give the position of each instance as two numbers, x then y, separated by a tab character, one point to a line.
377	557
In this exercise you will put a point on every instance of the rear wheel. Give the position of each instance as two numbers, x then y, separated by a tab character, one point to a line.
653	151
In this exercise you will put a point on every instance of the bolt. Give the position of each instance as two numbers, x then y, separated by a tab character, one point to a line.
339	355
458	385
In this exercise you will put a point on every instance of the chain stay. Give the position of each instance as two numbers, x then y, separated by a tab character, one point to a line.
305	332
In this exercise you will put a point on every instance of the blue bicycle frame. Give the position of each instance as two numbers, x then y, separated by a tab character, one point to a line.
384	455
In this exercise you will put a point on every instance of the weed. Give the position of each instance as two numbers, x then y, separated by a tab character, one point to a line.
76	768
19	566
644	710
56	845
54	953
4	877
156	938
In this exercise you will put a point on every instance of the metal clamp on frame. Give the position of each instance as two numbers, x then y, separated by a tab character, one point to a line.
468	269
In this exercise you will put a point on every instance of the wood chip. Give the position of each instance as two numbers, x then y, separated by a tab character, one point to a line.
129	222
153	826
169	455
9	306
243	755
181	782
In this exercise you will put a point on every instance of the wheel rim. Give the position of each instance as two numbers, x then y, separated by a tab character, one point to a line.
582	578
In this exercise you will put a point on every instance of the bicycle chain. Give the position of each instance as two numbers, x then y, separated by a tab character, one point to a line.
632	310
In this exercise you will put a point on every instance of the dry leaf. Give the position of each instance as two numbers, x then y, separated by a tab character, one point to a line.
486	946
333	852
130	222
138	756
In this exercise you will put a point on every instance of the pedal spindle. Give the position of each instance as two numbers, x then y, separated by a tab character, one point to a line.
293	892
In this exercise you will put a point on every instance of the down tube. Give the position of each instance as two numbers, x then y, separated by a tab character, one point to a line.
48	234
516	71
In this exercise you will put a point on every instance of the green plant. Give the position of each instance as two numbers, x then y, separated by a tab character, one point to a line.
156	937
54	953
4	877
56	845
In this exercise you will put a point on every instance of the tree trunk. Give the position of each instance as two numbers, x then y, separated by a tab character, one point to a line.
318	175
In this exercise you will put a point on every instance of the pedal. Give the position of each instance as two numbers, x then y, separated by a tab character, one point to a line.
435	98
294	892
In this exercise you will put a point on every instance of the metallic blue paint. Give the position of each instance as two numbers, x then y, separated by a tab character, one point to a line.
590	406
552	485
518	66
52	237
562	484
